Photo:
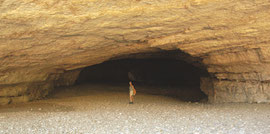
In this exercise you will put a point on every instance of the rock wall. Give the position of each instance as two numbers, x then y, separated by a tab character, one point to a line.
24	92
241	76
41	39
67	78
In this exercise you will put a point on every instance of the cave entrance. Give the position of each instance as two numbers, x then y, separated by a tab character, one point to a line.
162	73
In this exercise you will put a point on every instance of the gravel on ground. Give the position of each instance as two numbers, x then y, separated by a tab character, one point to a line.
105	109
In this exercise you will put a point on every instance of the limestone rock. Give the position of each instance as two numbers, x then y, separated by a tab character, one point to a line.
4	100
42	40
67	78
20	99
11	91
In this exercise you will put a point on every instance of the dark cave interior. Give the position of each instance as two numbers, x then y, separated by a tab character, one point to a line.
179	78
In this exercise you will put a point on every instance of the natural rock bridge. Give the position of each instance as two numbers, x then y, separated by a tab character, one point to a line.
46	44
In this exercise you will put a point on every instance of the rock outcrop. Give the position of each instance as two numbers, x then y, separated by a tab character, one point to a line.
42	40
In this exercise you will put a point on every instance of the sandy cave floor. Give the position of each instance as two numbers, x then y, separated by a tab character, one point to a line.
105	109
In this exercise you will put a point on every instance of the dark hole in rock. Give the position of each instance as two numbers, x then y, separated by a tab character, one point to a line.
159	76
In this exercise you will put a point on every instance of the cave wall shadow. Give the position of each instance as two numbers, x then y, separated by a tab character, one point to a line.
160	76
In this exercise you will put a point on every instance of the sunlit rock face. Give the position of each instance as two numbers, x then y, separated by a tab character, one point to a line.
41	40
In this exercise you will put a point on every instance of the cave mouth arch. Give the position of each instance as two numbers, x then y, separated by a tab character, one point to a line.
169	73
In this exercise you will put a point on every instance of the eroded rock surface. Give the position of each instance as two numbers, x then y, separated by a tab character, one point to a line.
41	40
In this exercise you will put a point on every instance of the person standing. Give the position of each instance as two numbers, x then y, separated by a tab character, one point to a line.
132	93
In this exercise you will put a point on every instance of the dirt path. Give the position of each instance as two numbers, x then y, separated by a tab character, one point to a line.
77	110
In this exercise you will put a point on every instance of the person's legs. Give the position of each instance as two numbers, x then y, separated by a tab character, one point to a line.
130	99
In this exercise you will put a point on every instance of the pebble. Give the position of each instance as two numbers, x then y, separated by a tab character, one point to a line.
109	112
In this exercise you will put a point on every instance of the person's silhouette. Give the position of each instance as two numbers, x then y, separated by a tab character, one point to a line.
132	93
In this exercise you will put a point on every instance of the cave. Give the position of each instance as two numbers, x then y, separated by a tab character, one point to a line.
43	47
168	73
161	73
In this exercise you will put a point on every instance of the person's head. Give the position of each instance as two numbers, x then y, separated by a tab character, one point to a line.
130	83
